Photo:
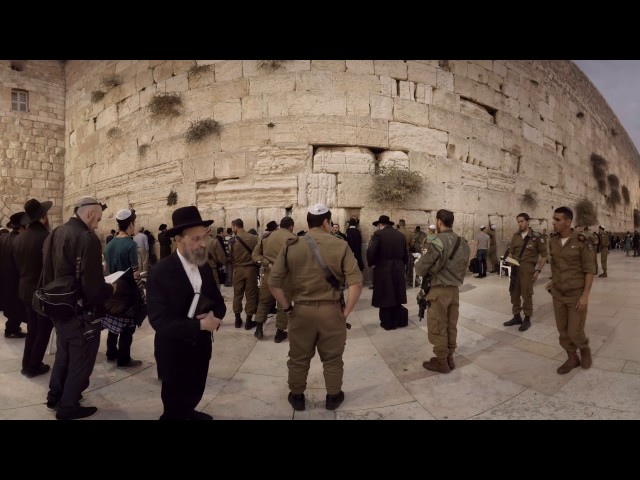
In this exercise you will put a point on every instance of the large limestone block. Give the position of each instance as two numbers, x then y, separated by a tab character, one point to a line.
228	112
224	91
458	147
448	170
263	191
408	111
230	164
474	110
317	188
509	122
474	176
163	71
391	68
179	83
407	90
532	134
250	67
424	93
388	86
333	65
419	72
457	198
271	84
282	158
425	164
228	70
362	131
237	136
253	107
314	80
449	121
447	100
477	73
492	201
360	67
353	189
265	215
358	103
381	107
500	180
421	139
107	118
343	160
129	106
198	168
325	103
205	196
445	80
393	158
248	215
349	82
485	155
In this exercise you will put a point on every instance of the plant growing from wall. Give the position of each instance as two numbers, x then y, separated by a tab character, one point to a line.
142	149
200	129
172	198
625	195
269	66
599	170
395	185
110	81
614	198
165	104
614	182
97	95
197	70
530	199
114	132
585	213
636	218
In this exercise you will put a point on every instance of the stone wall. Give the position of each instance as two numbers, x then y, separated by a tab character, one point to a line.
483	133
32	144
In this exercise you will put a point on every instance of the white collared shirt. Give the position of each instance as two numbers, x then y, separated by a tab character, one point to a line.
192	272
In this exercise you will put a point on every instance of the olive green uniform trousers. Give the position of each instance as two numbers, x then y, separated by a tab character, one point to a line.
442	320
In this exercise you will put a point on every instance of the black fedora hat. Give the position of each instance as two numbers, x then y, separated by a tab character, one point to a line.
383	219
35	210
186	217
15	220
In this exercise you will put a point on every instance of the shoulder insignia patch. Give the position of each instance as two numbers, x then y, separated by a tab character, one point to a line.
581	237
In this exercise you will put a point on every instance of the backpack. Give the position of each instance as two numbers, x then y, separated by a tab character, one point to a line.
473	265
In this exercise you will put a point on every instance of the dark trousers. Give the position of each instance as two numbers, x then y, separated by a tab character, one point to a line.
75	358
35	345
389	317
482	263
119	345
15	313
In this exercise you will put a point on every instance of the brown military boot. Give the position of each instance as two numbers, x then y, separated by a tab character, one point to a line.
585	357
450	361
572	362
436	364
603	275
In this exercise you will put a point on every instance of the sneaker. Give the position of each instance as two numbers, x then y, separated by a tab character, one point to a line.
132	363
41	370
334	401
15	335
296	400
80	412
280	336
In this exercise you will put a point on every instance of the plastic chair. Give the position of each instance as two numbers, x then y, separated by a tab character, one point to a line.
506	266
416	276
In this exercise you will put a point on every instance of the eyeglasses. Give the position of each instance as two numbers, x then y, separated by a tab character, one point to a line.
199	238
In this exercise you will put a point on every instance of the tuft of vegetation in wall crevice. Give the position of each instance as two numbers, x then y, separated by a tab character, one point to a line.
201	129
585	213
530	199
165	104
625	195
395	185
196	70
269	66
97	95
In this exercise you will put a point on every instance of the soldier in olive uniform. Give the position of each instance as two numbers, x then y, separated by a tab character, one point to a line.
447	269
493	250
216	256
402	227
245	273
604	250
317	319
530	249
572	270
595	241
265	254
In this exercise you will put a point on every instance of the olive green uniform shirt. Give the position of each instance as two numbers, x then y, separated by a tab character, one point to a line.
436	261
240	256
268	248
535	246
570	263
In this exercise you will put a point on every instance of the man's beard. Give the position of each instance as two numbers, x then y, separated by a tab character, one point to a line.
197	257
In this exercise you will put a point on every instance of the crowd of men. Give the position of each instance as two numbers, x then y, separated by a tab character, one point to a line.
301	278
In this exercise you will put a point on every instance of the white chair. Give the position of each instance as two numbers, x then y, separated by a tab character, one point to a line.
506	266
416	256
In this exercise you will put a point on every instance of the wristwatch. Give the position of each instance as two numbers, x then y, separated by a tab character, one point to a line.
538	270
288	309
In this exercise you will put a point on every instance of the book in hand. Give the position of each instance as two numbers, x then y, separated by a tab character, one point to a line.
512	261
200	304
115	276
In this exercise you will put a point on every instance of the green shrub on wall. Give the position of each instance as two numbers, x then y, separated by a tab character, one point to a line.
395	185
165	104
585	213
530	199
97	95
200	129
636	218
625	195
599	170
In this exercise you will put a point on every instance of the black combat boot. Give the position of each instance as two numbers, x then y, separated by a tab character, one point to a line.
333	401
296	400
249	323
258	333
516	320
238	320
526	323
280	336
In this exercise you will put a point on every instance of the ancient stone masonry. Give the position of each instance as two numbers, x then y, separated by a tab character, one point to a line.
486	135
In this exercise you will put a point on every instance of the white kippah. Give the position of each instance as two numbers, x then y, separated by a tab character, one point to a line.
432	227
493	227
602	227
317	209
482	226
123	214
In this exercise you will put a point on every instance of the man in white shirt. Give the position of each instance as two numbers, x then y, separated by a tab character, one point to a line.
142	242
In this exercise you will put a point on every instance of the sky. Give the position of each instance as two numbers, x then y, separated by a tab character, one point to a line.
619	83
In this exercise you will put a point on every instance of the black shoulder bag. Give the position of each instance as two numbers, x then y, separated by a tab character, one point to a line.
60	299
242	242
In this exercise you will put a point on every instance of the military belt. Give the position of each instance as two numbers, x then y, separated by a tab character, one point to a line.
316	303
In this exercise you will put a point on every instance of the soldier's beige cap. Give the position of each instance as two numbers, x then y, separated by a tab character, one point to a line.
317	209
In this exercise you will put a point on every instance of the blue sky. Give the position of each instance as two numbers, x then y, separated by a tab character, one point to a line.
619	83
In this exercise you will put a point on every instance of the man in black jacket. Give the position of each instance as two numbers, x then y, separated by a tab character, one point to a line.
28	260
354	239
77	339
11	304
183	340
164	241
388	255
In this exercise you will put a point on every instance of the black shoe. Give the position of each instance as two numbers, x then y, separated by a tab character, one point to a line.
195	415
334	401
249	324
296	400
526	324
516	320
41	370
111	360
238	323
80	412
15	334
258	333
132	363
280	336
52	404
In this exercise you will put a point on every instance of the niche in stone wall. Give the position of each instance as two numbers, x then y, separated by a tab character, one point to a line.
478	110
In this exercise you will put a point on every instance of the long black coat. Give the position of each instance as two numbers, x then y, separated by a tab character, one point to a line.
181	348
28	259
354	239
388	253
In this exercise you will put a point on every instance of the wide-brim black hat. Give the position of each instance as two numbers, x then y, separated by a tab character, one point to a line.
186	217
35	210
383	219
15	220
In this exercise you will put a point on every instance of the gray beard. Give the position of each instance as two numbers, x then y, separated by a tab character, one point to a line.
196	258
